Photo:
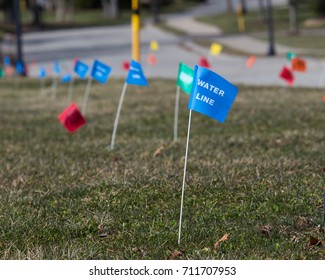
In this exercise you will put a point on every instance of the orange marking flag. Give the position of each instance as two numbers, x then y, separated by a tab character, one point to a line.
152	59
71	118
250	61
298	64
287	75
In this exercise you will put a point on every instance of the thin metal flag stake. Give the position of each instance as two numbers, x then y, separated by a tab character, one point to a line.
118	115
54	86
70	91
86	96
42	86
184	176
324	209
178	89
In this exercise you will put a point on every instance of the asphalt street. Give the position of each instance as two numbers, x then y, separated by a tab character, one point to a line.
112	45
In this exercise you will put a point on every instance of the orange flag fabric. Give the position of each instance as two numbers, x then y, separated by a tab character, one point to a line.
298	64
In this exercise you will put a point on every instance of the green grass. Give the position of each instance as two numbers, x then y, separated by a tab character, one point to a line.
95	17
254	23
311	45
259	177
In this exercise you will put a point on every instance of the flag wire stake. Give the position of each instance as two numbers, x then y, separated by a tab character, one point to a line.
70	91
176	112
86	96
118	115
184	176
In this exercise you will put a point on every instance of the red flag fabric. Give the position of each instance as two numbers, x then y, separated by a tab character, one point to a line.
287	75
152	59
204	62
71	118
250	61
324	98
126	65
298	64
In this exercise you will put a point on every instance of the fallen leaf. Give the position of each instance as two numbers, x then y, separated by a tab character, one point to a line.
266	229
223	238
314	241
158	151
303	222
175	254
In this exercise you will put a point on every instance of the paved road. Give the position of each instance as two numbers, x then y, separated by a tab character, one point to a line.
112	46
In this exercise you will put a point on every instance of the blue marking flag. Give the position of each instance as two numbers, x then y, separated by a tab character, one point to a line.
212	95
135	75
56	67
100	71
42	72
66	78
6	60
19	67
81	69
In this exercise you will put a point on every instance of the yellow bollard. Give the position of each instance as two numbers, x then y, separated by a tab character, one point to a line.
135	23
240	18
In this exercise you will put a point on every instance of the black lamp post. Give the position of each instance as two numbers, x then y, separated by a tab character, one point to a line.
18	35
271	50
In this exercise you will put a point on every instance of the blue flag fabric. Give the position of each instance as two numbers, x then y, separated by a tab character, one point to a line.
212	95
100	71
66	78
6	60
135	75
81	69
19	67
56	67
42	72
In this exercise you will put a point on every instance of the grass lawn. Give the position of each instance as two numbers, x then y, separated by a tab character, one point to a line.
312	45
259	177
95	17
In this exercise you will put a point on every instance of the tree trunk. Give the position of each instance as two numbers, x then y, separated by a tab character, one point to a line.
293	17
110	8
155	10
261	10
230	6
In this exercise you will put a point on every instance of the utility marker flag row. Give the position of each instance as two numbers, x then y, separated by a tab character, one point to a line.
100	73
212	96
134	77
184	82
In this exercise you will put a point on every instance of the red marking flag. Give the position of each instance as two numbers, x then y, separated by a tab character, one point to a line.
250	61
298	64
287	75
126	65
152	59
204	62
71	118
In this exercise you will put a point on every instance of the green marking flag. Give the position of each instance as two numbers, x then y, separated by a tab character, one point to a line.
185	78
2	73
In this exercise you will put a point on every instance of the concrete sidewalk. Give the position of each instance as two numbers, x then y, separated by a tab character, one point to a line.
239	42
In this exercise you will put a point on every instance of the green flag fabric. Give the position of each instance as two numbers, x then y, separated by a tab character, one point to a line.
185	78
2	73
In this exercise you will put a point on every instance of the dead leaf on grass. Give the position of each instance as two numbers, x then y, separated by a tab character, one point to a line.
314	241
223	238
303	222
266	229
175	254
158	152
